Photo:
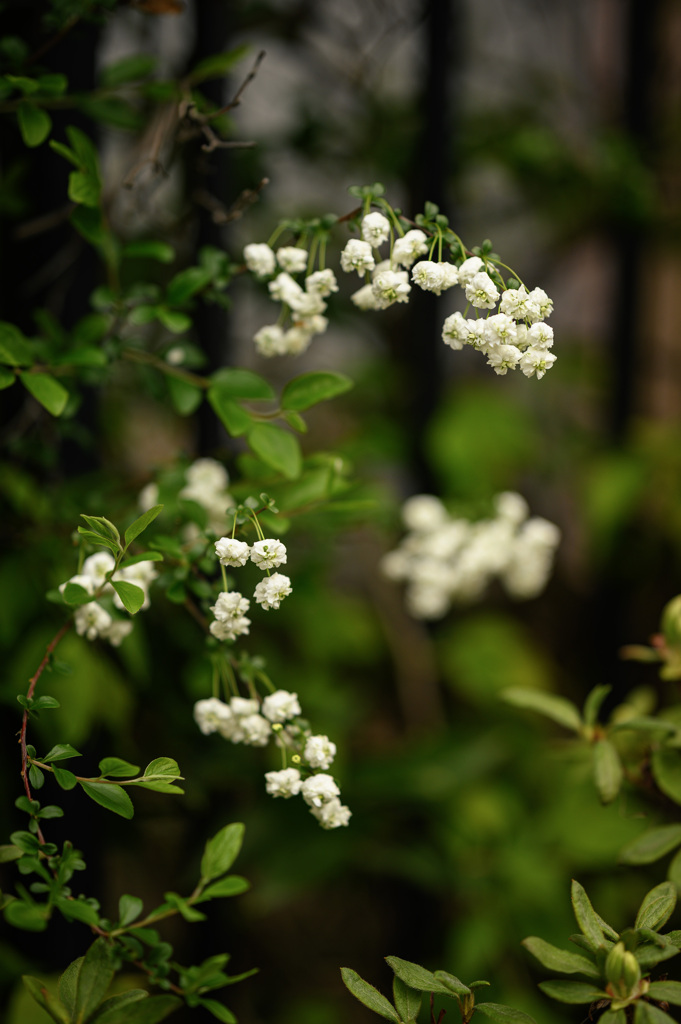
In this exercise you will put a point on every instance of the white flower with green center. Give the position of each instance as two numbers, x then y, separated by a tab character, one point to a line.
536	361
321	282
357	255
540	335
481	291
231	551
428	275
268	553
319	789
409	247
503	358
91	620
285	289
286	782
390	286
292	258
271	591
375	229
515	303
230	605
469	268
540	306
455	331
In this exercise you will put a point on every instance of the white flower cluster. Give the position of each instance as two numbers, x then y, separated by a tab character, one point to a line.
302	306
248	721
207	483
444	560
94	619
515	336
231	607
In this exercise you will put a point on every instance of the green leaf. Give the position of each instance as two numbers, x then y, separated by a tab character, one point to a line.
218	1010
149	1010
549	704
233	416
666	992
666	765
504	1014
238	383
101	526
112	1009
657	906
173	321
140	524
34	124
186	397
73	594
116	766
571	991
593	703
187	283
111	796
587	918
30	917
129	909
84	187
42	703
218	64
419	978
44	998
14	347
232	885
160	775
46	390
95	538
221	851
36	777
144	556
452	983
8	852
183	907
674	871
60	752
277	449
77	910
26	841
53	84
407	1000
64	151
151	249
7	378
560	959
95	975
607	769
130	594
613	1017
648	1013
129	69
65	778
651	845
310	388
68	984
368	995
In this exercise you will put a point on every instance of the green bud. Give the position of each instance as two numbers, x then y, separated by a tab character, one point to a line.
623	972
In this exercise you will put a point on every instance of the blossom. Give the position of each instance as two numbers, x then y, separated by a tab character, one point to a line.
540	335
148	496
536	360
469	268
375	229
318	789
230	629
406	249
91	620
117	631
260	259
231	551
207	481
285	289
434	277
256	730
455	331
323	282
332	814
364	298
286	782
272	590
512	506
500	328
210	713
280	706
269	340
230	605
481	291
539	305
319	751
503	357
390	286
80	580
292	258
268	553
423	512
515	302
297	340
357	255
97	566
242	706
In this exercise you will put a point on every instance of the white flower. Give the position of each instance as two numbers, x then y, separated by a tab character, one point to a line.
540	306
280	706
307	304
269	340
428	275
243	706
148	496
286	782
319	789
500	328
297	340
86	582
390	286
210	714
319	751
515	303
292	258
503	358
231	551
230	629
512	506
207	482
540	335
117	631
143	573
97	566
426	601
314	324
260	259
268	553
332	814
375	229
322	282
407	248
455	332
230	605
481	291
285	289
423	512
357	255
365	298
536	360
469	268
91	620
272	590
256	729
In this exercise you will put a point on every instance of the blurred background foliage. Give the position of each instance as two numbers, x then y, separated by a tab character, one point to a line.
554	129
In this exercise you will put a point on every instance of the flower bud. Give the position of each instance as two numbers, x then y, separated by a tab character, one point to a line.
623	972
